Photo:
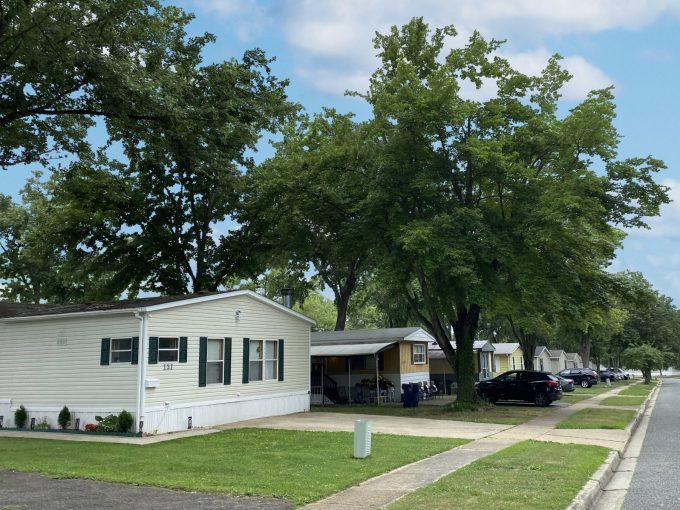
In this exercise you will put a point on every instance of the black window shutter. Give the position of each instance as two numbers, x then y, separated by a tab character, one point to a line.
246	359
106	351
280	359
153	350
227	361
135	350
202	360
183	341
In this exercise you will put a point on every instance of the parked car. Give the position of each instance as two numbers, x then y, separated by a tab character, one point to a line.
584	377
567	384
607	374
623	373
541	388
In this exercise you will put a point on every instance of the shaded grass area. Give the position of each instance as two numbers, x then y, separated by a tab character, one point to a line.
639	390
528	475
622	401
504	414
594	418
296	465
572	398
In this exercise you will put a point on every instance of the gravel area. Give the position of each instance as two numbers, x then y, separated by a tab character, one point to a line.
30	491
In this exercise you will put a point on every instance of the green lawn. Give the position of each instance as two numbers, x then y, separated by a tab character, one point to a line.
506	414
639	390
295	465
622	401
528	475
594	418
572	398
600	388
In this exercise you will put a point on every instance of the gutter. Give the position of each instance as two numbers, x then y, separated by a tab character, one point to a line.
143	317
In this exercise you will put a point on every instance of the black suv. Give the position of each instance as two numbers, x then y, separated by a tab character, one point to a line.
541	388
584	377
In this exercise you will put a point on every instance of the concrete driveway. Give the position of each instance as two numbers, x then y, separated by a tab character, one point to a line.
343	422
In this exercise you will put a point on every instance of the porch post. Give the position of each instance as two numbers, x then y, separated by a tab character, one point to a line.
349	380
377	380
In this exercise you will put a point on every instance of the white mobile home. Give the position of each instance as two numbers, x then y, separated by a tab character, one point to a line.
202	360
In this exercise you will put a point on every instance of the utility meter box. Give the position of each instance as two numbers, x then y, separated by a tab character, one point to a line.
362	439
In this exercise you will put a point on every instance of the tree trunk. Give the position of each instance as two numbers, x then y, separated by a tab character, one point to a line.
465	329
585	349
341	304
527	341
647	374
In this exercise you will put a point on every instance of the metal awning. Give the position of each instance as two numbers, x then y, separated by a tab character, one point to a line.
348	349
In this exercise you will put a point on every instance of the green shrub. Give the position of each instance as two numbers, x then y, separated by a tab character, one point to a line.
20	417
107	424
125	421
64	418
43	424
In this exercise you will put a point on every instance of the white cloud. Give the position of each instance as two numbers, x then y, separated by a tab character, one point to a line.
333	39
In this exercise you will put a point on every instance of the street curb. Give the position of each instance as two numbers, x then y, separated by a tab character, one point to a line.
594	487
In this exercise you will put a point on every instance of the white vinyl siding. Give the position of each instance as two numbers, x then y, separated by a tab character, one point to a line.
55	362
218	319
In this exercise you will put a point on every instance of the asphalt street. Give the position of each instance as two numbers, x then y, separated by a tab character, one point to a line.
655	482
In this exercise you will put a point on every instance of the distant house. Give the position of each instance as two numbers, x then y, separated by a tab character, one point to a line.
441	370
558	360
507	356
542	359
346	364
574	360
173	362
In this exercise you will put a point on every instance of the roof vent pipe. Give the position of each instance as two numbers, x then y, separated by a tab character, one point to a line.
287	297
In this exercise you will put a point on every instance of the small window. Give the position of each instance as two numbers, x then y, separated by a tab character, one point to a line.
513	363
497	364
121	350
215	361
168	349
263	360
418	354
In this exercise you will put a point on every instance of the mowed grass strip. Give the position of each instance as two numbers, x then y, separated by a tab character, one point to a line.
622	401
525	476
572	398
296	465
639	390
593	418
503	414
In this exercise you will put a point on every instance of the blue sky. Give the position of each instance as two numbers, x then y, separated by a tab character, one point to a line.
325	48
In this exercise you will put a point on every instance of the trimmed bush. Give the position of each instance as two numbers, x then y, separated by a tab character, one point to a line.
64	419
20	417
107	424
125	421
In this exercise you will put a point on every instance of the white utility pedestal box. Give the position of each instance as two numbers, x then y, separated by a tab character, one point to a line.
362	439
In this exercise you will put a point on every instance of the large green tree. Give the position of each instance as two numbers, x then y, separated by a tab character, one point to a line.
64	65
475	195
309	204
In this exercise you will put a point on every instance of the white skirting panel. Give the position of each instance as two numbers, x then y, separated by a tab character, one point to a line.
173	418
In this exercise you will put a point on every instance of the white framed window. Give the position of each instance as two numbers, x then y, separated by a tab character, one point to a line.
514	366
121	350
168	349
419	355
496	364
215	361
263	360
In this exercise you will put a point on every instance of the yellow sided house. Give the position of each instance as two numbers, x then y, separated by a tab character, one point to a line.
173	362
507	356
367	365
